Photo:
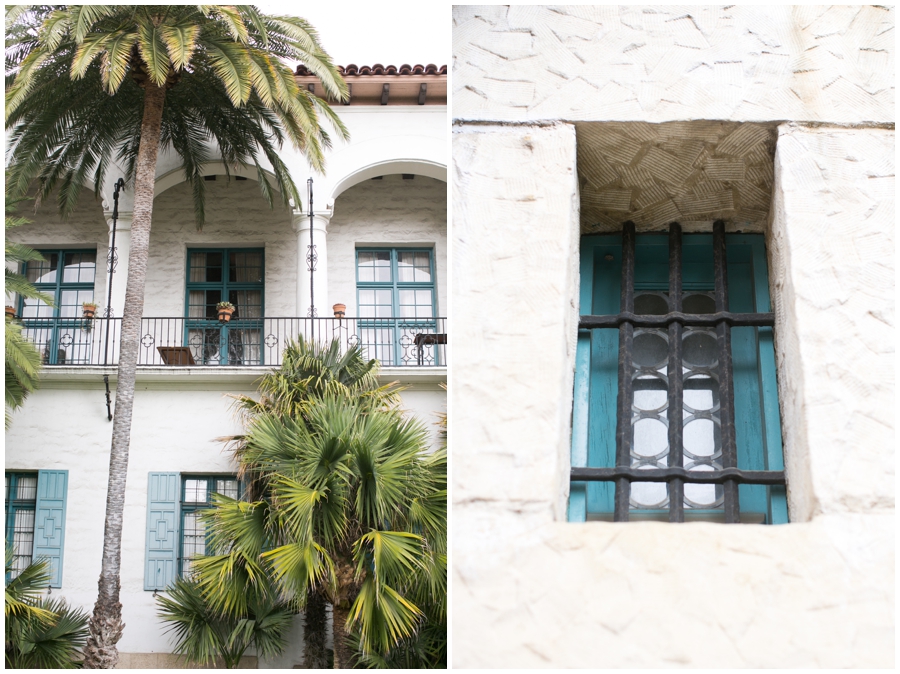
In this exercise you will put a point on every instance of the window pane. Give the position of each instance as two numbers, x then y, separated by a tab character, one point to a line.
26	488
248	303
227	488
413	267
193	539
36	309
195	491
43	271
79	267
206	267
246	267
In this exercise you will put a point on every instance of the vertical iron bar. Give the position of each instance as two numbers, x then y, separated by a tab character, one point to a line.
676	378
624	428
120	183
312	254
726	387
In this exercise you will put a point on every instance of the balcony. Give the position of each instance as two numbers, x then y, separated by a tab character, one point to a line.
254	342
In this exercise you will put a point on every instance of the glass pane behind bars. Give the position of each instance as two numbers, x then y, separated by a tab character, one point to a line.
700	414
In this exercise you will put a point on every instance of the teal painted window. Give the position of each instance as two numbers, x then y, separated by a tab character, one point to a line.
225	275
196	496
21	498
175	531
68	277
396	301
757	422
36	519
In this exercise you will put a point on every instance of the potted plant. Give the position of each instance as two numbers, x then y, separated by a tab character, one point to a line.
88	309
10	311
225	311
339	310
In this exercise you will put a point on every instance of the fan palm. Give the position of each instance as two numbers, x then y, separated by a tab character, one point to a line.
347	504
41	633
88	85
355	508
203	634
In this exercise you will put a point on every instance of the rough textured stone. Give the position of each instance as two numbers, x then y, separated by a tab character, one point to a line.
664	63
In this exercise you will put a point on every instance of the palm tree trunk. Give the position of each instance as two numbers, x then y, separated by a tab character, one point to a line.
314	625
343	654
106	624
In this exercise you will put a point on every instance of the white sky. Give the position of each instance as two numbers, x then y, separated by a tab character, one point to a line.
365	33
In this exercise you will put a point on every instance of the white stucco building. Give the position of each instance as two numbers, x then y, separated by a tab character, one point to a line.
380	241
570	122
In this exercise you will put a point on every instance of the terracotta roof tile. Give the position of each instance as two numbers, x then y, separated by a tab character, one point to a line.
379	69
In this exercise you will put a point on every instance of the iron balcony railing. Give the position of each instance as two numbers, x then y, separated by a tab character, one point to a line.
406	342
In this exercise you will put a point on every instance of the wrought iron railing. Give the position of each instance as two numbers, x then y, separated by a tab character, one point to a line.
407	342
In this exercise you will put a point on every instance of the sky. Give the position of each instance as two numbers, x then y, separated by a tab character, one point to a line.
389	33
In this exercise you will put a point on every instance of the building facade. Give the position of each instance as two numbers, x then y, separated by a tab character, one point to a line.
379	230
574	126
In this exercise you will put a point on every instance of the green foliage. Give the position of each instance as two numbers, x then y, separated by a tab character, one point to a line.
204	634
41	633
74	100
23	361
348	502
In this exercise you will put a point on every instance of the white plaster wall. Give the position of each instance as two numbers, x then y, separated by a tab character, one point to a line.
387	212
531	590
84	228
663	63
236	216
832	241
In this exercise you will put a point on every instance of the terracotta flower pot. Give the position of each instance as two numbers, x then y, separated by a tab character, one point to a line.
225	315
88	312
339	310
10	312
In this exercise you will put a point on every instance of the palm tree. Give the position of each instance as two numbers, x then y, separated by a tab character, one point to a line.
204	635
347	504
309	369
23	360
41	633
91	84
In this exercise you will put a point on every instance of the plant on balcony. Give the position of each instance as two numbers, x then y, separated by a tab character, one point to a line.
41	633
88	309
225	309
349	506
95	86
23	360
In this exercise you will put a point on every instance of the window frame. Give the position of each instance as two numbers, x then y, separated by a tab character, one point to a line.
207	324
593	435
14	505
56	324
403	328
185	507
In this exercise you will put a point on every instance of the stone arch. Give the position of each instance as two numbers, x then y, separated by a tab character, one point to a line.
175	177
419	155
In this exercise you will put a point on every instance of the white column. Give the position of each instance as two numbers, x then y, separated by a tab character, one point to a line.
120	270
320	283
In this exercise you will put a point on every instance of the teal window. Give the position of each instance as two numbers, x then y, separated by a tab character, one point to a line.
35	509
396	301
21	497
599	393
175	531
196	496
225	275
58	331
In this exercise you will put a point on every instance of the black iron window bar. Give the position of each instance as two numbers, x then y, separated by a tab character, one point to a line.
623	474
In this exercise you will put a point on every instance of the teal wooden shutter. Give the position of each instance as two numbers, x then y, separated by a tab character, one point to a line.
161	561
50	520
